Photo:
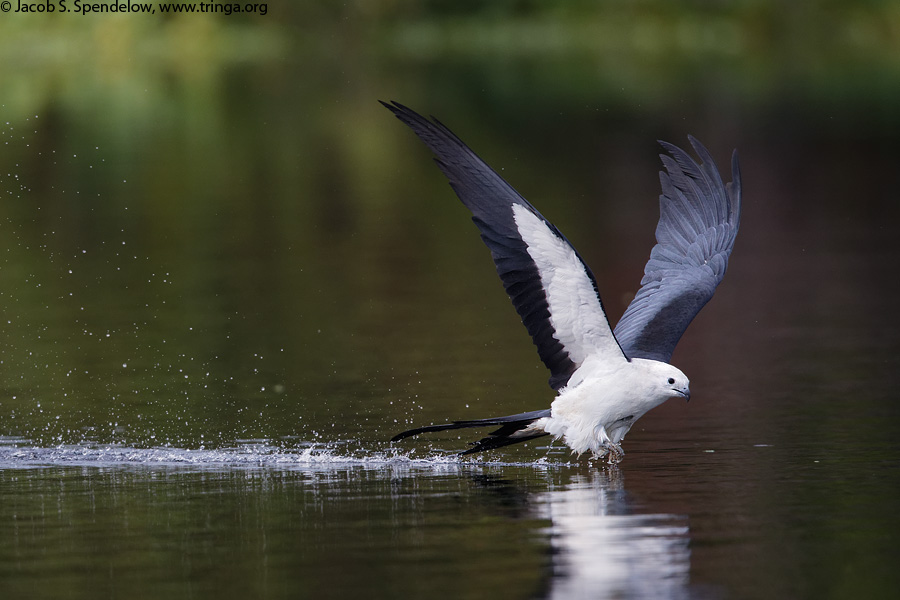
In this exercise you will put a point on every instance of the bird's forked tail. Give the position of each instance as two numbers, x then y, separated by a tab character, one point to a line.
513	429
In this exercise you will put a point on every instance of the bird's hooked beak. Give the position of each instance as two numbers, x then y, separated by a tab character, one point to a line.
682	392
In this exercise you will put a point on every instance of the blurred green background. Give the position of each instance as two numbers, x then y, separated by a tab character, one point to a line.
213	232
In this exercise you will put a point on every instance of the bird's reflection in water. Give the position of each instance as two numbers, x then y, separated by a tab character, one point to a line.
601	549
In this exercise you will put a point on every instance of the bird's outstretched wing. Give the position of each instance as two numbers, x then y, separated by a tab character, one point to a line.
551	288
699	219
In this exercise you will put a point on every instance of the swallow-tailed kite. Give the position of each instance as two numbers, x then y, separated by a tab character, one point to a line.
605	380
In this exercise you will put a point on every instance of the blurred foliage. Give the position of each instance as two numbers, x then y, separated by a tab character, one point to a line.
145	69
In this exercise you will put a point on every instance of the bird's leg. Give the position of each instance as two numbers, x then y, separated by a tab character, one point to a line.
608	449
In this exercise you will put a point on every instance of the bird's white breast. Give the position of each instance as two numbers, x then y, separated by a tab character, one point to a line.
603	401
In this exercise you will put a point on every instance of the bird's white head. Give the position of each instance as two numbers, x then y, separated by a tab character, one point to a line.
668	381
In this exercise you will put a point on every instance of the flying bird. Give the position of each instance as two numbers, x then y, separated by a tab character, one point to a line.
605	379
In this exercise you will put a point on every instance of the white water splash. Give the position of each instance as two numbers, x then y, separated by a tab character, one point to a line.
20	453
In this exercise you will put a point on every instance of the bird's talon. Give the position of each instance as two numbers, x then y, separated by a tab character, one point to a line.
616	454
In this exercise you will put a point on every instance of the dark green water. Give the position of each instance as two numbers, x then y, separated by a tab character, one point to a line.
228	276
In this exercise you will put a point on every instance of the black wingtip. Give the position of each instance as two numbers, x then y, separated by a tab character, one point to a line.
400	110
393	106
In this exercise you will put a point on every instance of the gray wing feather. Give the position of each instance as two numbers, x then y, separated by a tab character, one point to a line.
699	220
578	327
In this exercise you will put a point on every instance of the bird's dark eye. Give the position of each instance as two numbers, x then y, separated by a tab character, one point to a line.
671	380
